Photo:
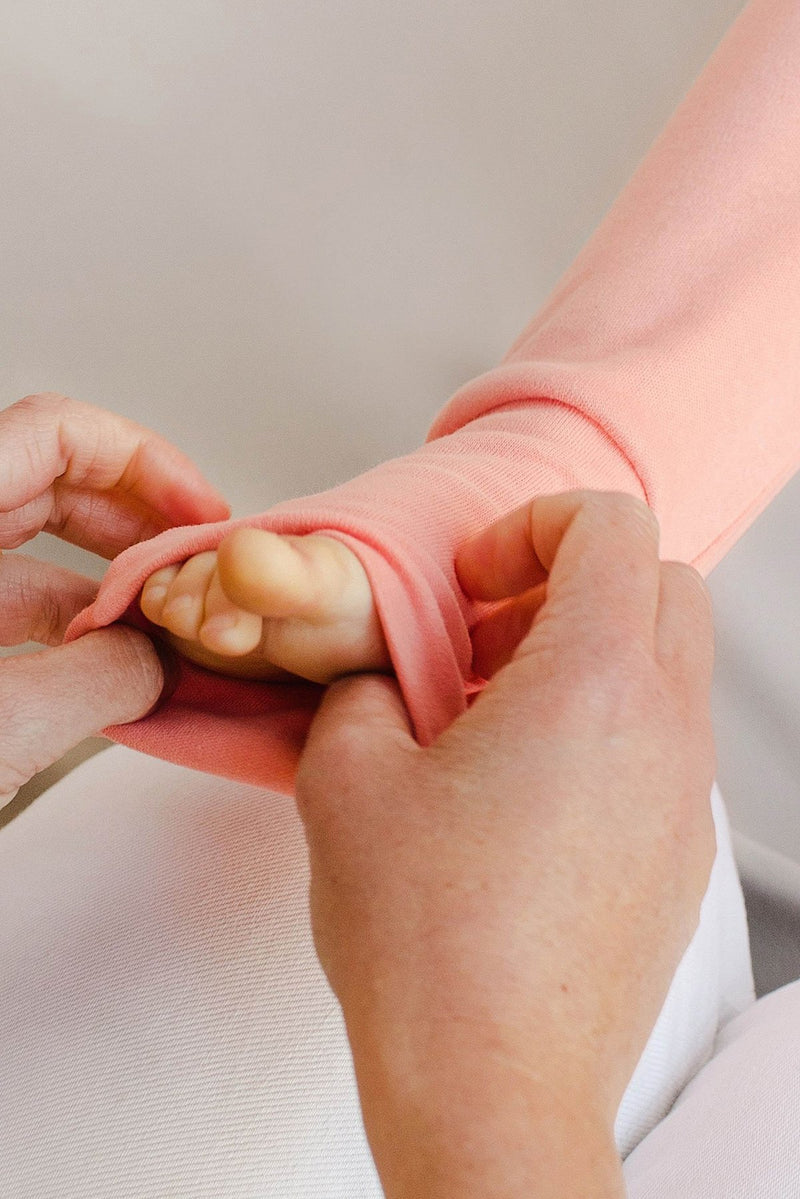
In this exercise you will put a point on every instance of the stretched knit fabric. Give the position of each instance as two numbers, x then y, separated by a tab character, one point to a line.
665	364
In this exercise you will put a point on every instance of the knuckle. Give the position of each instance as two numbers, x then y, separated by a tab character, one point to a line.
32	602
613	686
44	404
634	510
44	605
617	510
618	687
18	527
609	674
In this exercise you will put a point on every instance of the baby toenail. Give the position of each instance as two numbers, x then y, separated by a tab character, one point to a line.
181	603
220	624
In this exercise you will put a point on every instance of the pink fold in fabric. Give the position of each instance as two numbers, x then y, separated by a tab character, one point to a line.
665	364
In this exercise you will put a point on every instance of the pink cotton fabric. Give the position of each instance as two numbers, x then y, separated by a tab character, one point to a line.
665	364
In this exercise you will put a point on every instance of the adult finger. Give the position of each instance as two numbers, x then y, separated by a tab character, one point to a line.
38	600
684	638
103	523
48	437
51	700
496	636
599	553
362	720
501	560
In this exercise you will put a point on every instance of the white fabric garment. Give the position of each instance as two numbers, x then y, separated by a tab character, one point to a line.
735	1131
165	1028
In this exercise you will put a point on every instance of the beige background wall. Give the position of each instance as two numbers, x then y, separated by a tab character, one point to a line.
282	234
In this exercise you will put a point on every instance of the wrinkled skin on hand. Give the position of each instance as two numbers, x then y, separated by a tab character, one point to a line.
101	482
500	914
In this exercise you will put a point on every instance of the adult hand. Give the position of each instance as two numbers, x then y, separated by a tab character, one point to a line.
500	914
102	482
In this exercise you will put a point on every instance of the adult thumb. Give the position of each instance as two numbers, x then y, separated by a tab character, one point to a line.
362	720
51	700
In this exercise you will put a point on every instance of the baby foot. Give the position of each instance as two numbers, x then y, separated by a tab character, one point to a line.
268	606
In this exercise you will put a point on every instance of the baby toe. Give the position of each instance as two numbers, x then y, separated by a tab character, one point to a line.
232	633
155	592
183	615
184	606
227	629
